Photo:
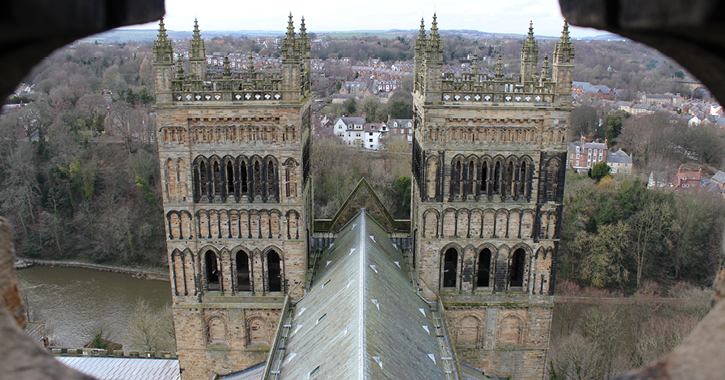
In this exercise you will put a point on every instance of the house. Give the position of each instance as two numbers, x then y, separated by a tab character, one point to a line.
686	179
657	180
346	126
401	128
620	162
584	155
719	179
372	135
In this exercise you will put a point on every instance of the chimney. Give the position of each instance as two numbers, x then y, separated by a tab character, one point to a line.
364	118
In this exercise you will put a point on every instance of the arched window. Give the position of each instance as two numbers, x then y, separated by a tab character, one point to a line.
216	180
516	272
230	179
450	266
471	187
497	179
257	181
212	271
552	181
509	179
456	179
244	283
202	179
273	272
290	173
484	268
243	178
271	182
484	178
522	179
432	177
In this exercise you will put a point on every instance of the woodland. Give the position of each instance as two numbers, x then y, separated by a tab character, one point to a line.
79	179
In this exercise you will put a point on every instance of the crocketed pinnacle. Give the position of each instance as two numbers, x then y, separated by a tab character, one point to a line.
162	31
565	33
290	27
434	27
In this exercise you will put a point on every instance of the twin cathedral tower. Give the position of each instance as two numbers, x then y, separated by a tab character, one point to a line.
489	153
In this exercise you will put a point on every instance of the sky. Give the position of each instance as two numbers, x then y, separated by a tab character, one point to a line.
496	16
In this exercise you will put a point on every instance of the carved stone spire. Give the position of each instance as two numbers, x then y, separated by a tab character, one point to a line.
196	46
474	64
564	51
227	67
250	63
197	53
563	66
499	68
529	56
163	52
290	27
544	70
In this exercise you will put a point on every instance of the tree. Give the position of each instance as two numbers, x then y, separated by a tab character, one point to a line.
584	120
600	170
401	110
151	329
371	108
650	228
605	264
401	186
613	127
350	106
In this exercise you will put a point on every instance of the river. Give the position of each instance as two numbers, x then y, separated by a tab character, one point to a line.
74	303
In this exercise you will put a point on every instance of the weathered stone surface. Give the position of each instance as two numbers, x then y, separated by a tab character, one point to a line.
488	165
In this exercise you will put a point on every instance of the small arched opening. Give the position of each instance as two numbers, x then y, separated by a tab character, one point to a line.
516	272
230	179
244	283
212	271
484	268
450	264
274	272
484	178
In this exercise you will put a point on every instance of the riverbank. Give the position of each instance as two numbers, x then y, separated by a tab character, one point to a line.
145	274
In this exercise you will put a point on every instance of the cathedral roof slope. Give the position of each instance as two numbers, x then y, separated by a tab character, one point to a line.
362	319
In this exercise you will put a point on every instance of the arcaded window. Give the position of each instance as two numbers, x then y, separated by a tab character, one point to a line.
484	268
244	283
212	271
450	264
230	179
516	272
484	178
274	272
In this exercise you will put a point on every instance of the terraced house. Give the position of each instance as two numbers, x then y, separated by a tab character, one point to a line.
461	290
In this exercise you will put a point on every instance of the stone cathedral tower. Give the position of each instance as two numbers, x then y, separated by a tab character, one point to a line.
489	155
234	153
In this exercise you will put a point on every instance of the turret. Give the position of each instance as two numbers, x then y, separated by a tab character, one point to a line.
163	54
291	65
197	54
420	46
305	48
563	65
433	65
529	56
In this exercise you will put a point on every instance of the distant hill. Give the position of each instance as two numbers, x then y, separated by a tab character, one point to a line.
145	35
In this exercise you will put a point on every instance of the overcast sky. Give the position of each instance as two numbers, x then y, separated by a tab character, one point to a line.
498	16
